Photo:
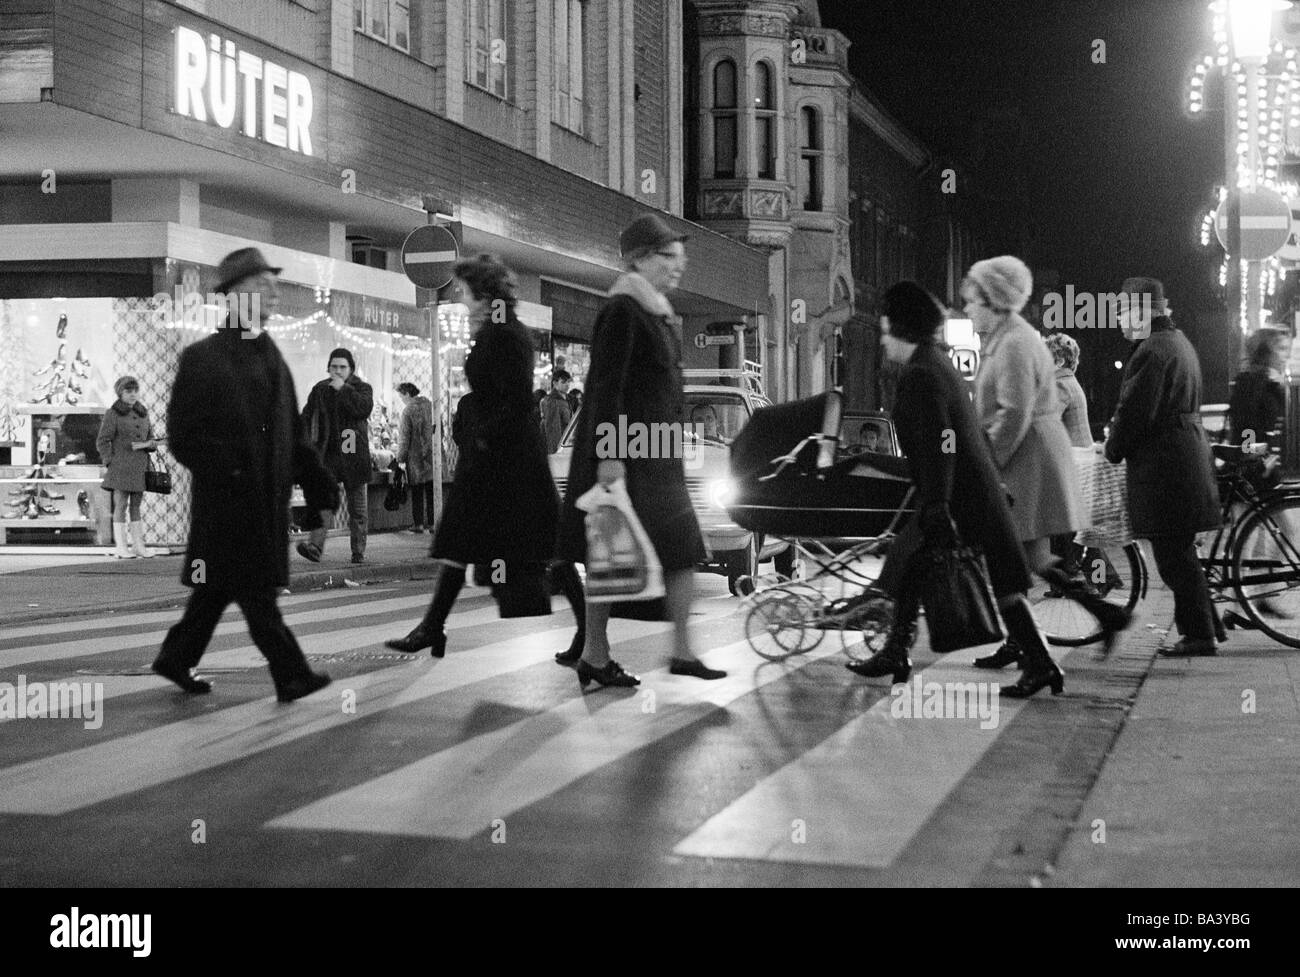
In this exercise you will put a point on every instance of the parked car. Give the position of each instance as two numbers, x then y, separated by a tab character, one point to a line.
714	415
868	431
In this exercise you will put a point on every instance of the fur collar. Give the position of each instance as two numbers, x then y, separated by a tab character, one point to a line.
137	408
635	286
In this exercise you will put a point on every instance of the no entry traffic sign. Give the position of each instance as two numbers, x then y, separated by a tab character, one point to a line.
428	255
1265	223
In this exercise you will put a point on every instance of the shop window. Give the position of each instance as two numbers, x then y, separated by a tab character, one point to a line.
764	122
724	120
570	61
385	20
810	159
487	64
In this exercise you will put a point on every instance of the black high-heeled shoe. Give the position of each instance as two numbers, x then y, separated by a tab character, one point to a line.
574	653
1008	654
611	674
418	640
694	667
1034	677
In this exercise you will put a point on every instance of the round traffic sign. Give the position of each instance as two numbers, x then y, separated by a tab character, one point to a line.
428	255
1265	223
1291	250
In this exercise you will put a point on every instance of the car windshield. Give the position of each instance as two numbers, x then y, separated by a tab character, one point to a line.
712	418
866	434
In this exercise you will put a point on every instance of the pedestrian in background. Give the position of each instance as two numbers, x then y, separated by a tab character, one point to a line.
635	376
233	421
1157	429
415	451
575	400
125	425
1074	403
556	413
502	508
1018	408
959	494
337	420
1258	399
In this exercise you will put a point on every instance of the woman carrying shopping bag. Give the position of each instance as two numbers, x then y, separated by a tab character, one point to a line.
636	377
502	510
959	494
125	425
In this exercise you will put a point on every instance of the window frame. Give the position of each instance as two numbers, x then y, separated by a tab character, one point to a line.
364	11
569	66
812	155
765	120
728	113
500	26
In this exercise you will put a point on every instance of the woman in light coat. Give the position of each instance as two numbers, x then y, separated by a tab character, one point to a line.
125	425
1018	408
415	451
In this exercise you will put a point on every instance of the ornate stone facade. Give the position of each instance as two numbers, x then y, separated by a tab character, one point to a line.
762	25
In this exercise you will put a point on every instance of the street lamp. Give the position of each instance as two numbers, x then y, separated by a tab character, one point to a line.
1251	25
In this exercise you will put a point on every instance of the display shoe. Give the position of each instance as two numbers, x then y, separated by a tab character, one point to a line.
55	496
301	686
418	640
1034	677
611	674
1008	654
695	668
184	677
571	656
1198	648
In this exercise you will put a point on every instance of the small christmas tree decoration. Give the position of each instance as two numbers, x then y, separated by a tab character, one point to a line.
62	387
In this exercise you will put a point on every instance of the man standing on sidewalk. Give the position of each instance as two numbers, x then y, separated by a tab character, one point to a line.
556	413
233	422
1172	494
337	421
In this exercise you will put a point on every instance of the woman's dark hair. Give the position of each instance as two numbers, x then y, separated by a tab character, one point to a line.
914	314
489	279
409	389
1264	349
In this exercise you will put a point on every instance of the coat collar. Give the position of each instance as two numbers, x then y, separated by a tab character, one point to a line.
138	409
636	287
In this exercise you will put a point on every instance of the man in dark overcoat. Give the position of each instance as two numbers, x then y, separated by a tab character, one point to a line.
233	422
1157	429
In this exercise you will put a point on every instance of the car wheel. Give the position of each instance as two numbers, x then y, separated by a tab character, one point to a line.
784	561
742	569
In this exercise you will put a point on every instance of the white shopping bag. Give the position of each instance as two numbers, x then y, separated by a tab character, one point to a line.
1105	493
621	560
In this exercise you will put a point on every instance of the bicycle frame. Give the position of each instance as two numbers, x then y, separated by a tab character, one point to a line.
1218	562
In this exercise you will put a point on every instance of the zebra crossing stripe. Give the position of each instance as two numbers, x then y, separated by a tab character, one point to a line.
458	792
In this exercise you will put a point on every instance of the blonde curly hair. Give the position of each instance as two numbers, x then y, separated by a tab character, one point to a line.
1064	350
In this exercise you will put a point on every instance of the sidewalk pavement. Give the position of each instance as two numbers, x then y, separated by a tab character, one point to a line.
42	588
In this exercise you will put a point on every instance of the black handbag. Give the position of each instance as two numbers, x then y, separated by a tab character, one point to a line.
397	490
158	481
524	592
958	601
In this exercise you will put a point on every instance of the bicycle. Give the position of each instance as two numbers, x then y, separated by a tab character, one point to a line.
1253	560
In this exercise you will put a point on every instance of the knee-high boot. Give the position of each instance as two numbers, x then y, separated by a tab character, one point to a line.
566	575
1038	668
429	632
893	658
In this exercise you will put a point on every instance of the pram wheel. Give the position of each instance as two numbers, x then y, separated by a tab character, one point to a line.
782	622
872	620
741	586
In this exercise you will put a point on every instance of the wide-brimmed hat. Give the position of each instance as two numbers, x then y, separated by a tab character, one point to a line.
1150	287
242	264
646	233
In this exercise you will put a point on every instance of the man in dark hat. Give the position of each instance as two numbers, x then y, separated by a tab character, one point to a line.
337	422
233	422
1157	429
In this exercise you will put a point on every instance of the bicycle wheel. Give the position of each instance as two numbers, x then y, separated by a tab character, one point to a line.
1118	574
1266	569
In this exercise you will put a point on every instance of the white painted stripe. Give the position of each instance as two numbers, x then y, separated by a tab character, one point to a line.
1260	223
861	794
425	257
458	792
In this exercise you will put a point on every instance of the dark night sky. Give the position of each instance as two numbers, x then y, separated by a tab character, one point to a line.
1111	172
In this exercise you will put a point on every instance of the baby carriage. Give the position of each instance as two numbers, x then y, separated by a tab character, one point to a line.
840	514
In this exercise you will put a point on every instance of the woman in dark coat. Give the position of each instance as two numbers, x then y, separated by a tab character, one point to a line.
126	424
502	505
1258	401
959	493
1172	493
635	377
415	451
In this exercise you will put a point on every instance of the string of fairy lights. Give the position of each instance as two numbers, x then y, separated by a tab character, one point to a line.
1277	126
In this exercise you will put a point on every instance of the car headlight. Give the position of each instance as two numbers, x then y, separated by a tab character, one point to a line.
721	492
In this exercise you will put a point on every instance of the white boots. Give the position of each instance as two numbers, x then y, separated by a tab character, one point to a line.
135	540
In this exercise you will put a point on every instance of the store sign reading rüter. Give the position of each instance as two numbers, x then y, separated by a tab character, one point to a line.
207	90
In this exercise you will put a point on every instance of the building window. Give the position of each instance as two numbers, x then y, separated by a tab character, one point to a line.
880	248
724	119
385	20
487	62
810	159
764	122
569	64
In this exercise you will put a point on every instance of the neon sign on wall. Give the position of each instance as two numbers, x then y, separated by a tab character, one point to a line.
276	103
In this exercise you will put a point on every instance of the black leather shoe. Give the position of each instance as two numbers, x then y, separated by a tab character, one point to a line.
418	640
882	664
695	668
1034	678
1200	648
1008	654
184	677
574	653
299	687
309	551
1233	620
611	674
